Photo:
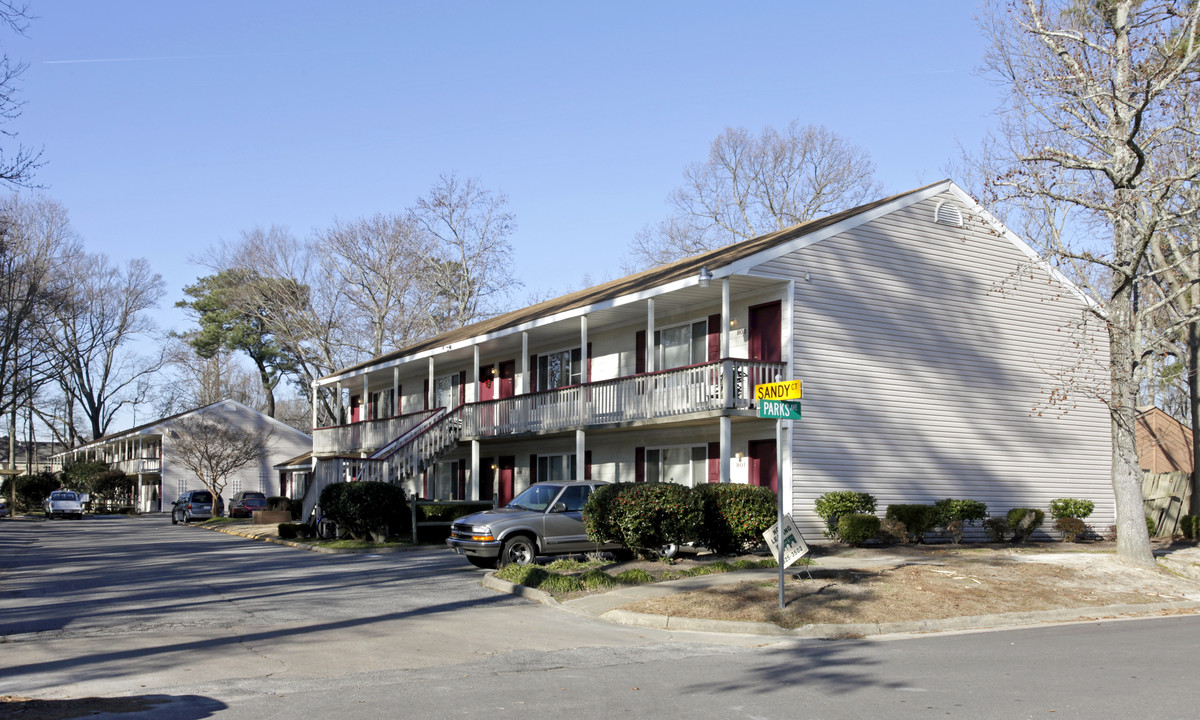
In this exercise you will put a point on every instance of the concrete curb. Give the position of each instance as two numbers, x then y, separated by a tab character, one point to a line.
970	622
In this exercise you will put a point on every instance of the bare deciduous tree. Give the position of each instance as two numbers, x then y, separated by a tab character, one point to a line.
16	165
1088	126
752	185
374	263
213	449
470	268
91	332
203	381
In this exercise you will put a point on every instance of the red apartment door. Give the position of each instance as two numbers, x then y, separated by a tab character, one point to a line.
505	468
765	335
764	464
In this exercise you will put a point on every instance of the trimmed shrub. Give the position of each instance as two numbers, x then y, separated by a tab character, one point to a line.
31	490
858	528
450	513
1189	525
951	509
892	530
291	531
833	505
599	513
1072	528
735	516
365	507
1071	508
648	516
1023	521
917	519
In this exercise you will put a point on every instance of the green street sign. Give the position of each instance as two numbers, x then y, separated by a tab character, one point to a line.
779	409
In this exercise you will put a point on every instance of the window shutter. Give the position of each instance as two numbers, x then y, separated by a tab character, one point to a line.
588	377
399	399
714	461
532	374
532	469
639	464
425	393
462	481
587	463
462	387
714	337
639	352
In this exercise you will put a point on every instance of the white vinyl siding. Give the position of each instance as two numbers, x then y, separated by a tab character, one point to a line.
924	352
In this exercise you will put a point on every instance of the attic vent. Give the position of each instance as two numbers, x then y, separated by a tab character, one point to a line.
948	213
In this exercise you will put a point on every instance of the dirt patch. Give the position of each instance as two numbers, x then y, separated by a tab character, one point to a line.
926	583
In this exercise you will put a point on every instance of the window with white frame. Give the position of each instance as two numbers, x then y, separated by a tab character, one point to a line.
559	369
555	468
681	345
682	464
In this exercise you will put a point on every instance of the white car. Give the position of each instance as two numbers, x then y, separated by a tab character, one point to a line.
64	504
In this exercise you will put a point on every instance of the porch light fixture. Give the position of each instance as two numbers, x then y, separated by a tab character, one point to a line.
705	277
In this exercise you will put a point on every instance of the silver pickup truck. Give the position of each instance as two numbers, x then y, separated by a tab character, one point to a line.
64	504
546	519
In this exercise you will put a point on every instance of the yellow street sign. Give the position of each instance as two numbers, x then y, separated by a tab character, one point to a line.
778	391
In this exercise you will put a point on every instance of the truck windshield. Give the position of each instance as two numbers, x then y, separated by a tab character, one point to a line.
537	497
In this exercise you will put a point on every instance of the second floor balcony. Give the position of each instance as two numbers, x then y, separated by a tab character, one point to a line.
724	387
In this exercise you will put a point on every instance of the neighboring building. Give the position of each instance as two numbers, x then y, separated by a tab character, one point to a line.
43	451
925	333
294	474
145	452
1164	444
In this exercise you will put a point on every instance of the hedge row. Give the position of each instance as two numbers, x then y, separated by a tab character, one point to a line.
725	518
363	508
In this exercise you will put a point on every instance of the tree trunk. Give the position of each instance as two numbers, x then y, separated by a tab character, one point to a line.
1193	370
1133	541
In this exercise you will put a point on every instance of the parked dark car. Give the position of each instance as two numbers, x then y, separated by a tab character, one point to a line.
546	519
192	505
245	503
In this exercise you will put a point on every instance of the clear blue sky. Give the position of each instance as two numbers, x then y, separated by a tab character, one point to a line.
169	126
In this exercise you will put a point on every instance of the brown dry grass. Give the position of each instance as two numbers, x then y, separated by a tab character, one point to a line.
932	584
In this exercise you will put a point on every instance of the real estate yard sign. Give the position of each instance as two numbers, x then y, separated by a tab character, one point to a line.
794	546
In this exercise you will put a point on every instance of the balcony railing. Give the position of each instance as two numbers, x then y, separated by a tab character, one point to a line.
139	465
365	436
723	385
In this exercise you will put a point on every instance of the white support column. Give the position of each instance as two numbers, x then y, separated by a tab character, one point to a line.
475	383
583	341
726	446
580	453
364	401
473	488
523	388
432	392
650	335
725	318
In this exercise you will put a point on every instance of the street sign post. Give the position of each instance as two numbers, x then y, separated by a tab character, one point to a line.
780	401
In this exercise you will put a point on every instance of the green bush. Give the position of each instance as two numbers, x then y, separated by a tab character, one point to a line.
599	513
735	516
1151	526
558	583
834	504
1189	525
365	507
1072	528
968	511
291	531
31	490
648	516
1023	521
1071	508
997	528
857	529
917	519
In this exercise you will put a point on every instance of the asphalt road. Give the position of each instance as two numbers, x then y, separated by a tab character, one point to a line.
203	624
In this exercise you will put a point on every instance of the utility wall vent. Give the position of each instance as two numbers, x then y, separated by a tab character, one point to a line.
947	213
